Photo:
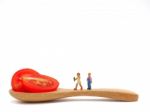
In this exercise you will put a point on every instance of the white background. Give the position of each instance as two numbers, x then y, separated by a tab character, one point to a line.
110	38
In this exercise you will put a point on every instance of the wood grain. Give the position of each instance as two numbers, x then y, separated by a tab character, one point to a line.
115	94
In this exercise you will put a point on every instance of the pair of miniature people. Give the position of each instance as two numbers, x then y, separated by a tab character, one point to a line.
78	80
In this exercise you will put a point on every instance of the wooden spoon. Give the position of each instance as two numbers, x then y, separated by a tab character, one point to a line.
115	94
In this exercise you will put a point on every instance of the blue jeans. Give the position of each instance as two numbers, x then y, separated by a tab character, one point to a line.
89	85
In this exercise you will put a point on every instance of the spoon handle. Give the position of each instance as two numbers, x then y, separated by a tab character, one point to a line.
115	94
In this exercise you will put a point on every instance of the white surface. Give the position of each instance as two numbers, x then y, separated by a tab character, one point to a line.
110	38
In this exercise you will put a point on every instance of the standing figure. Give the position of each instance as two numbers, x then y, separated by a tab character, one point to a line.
89	81
78	79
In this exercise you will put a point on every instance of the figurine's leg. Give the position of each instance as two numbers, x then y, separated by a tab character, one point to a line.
80	86
89	86
76	86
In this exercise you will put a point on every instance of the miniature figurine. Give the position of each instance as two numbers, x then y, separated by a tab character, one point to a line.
89	81
78	78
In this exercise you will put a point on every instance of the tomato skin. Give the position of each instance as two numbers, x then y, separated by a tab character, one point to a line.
16	81
41	83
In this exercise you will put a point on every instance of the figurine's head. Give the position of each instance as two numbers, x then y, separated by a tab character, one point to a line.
78	74
89	74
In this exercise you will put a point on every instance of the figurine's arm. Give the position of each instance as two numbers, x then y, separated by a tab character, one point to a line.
74	78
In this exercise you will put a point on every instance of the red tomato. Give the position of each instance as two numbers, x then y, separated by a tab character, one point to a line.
40	83
16	82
